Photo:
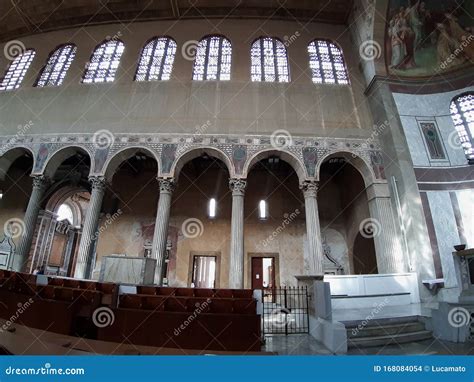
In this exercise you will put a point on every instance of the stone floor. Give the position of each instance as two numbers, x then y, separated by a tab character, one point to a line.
304	344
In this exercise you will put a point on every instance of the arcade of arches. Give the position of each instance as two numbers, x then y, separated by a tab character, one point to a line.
293	226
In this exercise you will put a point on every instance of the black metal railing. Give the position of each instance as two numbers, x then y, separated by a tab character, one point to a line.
285	310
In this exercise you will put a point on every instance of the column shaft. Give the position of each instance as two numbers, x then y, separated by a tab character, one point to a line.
236	267
40	184
160	236
314	259
89	229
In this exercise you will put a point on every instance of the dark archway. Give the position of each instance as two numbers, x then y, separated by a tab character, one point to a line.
363	256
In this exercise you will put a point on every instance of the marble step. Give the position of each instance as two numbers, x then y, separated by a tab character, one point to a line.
377	322
400	338
385	330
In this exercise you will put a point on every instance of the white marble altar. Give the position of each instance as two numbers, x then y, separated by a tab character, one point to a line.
127	270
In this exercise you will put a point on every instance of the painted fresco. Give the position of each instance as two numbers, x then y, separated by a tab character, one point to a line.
425	38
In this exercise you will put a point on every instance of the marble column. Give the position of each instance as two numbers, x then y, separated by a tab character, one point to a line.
390	257
236	269
40	184
160	236
89	229
314	259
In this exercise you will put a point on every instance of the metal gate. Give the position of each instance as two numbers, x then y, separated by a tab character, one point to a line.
285	310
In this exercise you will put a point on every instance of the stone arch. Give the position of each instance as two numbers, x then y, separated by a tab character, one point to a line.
286	156
63	193
197	152
58	157
355	160
10	156
113	162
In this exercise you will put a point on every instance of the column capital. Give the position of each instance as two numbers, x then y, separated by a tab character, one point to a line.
97	182
41	181
167	185
309	188
237	186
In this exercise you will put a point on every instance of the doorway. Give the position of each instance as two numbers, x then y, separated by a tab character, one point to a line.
204	272
263	272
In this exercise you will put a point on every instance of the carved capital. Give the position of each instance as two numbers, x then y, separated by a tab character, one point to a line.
237	186
309	188
166	185
97	182
41	182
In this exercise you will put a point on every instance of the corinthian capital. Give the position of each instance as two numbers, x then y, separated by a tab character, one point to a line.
97	182
40	182
237	186
167	185
309	188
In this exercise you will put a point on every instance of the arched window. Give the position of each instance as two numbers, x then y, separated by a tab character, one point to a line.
156	61
327	63
104	62
269	61
57	66
17	70
65	213
462	112
213	59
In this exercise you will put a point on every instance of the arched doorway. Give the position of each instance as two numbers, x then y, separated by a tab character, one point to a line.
199	229
344	208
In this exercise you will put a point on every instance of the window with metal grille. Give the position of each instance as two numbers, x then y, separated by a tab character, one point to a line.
327	63
17	70
156	60
462	112
269	61
58	64
104	62
213	59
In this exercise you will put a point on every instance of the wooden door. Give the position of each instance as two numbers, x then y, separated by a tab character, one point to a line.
257	273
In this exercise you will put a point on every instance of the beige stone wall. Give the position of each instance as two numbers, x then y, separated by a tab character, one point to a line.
179	105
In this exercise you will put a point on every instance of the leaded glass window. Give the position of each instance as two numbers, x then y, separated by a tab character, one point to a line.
213	59
269	61
327	63
104	62
462	112
17	70
58	64
156	61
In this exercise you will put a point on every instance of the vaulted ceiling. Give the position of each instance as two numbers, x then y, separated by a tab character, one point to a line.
24	17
